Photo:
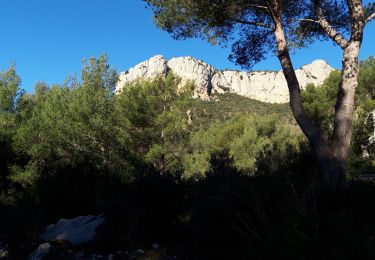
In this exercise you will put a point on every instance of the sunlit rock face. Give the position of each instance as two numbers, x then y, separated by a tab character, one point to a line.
191	69
266	86
148	69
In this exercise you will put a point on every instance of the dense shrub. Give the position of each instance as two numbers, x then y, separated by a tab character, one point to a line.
227	179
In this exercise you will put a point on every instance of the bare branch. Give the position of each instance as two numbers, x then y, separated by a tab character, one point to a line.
327	27
260	7
369	18
253	23
309	20
333	34
270	11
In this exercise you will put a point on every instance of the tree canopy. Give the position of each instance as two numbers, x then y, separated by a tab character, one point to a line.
259	27
248	25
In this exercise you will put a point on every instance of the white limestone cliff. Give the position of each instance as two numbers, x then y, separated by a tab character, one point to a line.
148	69
266	86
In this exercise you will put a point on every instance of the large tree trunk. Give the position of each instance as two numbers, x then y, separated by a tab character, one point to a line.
316	136
343	126
332	157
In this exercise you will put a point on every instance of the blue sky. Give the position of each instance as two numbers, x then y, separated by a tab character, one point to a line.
48	39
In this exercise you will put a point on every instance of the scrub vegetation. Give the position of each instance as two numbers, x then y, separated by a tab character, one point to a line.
226	178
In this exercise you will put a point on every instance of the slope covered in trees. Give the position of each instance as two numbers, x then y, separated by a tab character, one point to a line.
185	164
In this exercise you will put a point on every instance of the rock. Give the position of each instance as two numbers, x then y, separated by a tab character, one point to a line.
4	254
190	120
190	69
371	141
372	137
266	86
76	231
151	68
42	251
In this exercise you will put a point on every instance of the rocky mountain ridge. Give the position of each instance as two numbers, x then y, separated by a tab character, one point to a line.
265	86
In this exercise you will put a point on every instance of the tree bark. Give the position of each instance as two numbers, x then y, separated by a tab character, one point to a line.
343	127
332	156
318	140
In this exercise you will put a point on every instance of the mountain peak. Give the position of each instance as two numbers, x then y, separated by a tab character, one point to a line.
266	86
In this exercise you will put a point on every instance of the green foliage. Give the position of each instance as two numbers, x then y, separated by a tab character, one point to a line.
9	90
71	125
151	117
178	134
84	125
10	96
245	138
167	152
366	79
230	173
247	25
319	103
223	107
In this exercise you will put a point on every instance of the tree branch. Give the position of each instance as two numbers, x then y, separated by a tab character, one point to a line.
369	18
260	7
253	23
270	11
333	34
327	27
309	20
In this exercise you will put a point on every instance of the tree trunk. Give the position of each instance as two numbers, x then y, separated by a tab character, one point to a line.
322	150
332	156
343	126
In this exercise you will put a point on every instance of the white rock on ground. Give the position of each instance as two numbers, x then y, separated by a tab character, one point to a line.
42	251
77	231
4	254
266	86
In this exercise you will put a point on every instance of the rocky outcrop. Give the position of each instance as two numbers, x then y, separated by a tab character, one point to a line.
151	68
76	231
266	86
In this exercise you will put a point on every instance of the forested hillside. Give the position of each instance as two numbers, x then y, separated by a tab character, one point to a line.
193	168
